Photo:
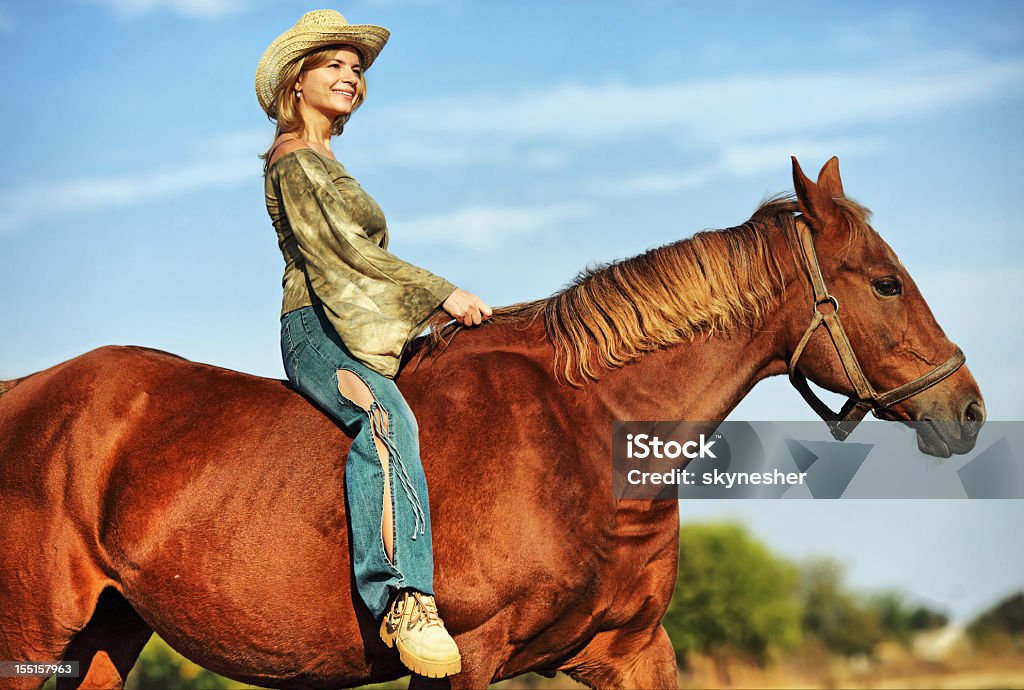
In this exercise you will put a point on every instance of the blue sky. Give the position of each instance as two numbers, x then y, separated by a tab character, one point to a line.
510	145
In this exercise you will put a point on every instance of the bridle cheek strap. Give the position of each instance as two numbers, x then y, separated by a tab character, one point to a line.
865	399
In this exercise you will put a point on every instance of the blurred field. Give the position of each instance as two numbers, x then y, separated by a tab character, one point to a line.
963	675
161	668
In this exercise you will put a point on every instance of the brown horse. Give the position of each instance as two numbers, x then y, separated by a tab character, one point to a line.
141	491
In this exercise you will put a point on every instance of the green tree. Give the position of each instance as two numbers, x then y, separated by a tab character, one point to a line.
159	666
899	619
923	618
835	616
732	596
1006	618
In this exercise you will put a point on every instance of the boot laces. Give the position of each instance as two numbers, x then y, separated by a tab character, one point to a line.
424	613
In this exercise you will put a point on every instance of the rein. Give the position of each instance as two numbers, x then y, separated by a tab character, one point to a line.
865	398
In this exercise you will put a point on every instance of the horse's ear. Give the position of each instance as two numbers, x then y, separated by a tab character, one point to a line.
815	202
828	178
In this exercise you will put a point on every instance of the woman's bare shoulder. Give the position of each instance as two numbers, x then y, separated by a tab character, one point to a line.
283	146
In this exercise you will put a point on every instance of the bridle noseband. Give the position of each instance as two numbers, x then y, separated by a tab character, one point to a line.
865	398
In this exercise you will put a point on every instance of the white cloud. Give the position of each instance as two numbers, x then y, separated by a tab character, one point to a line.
706	112
216	162
745	124
485	227
230	161
90	193
188	8
737	161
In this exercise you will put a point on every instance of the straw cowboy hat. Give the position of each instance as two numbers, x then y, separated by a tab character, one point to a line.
314	30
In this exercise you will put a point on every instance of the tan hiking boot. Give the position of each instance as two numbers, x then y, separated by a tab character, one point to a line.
424	646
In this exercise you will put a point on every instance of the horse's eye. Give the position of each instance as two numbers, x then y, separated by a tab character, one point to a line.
887	287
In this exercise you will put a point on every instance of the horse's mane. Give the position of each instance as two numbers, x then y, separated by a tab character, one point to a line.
612	313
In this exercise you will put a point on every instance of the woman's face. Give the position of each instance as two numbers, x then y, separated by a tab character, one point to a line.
332	87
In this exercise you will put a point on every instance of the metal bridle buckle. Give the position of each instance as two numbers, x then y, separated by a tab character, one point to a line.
828	298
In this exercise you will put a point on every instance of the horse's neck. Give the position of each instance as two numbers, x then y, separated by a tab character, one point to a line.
698	380
705	378
702	379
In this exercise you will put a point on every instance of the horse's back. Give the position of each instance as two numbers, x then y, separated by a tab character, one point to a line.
125	429
118	401
186	482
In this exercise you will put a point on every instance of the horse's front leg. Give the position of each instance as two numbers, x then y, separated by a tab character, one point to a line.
481	654
637	659
476	674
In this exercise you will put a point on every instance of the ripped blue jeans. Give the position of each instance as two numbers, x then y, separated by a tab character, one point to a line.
313	353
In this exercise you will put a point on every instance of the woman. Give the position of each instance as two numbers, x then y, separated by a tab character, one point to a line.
350	308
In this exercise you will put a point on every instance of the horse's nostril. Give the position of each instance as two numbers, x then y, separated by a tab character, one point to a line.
974	412
973	417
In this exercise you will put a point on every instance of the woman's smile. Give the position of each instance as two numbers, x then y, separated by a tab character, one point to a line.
346	93
332	87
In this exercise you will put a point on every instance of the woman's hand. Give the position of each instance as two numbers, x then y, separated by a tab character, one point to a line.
466	308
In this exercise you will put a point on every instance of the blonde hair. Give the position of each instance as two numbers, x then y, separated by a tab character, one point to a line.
284	111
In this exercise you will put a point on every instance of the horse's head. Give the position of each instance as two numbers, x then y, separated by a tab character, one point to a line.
887	352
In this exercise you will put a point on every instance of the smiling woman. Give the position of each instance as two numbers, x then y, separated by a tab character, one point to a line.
326	84
350	308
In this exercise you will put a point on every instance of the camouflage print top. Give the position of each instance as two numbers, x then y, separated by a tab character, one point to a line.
334	240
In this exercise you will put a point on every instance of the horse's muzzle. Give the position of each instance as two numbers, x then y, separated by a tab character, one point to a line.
945	437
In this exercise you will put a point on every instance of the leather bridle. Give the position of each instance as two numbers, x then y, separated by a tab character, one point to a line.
865	398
